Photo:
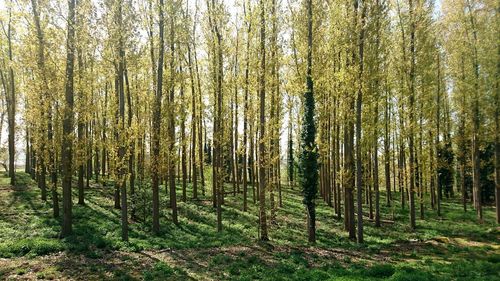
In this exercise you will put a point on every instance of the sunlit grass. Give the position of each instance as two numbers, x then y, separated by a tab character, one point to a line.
450	247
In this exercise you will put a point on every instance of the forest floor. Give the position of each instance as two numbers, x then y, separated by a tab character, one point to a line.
453	247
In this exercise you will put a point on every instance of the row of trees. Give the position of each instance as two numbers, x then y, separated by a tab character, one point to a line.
156	92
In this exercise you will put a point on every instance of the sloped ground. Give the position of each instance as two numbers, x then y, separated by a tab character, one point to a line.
453	247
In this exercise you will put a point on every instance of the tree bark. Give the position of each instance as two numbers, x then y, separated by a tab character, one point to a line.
412	119
262	123
358	128
68	123
11	106
155	161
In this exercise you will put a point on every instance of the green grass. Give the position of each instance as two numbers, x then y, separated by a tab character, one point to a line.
453	247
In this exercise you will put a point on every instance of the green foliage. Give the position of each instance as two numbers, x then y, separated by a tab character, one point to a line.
97	236
445	168
411	274
48	273
30	246
380	271
308	160
487	172
22	179
160	271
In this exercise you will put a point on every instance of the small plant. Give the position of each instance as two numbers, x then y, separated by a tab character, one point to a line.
380	271
160	271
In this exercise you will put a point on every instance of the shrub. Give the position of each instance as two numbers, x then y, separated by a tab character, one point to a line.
160	271
380	271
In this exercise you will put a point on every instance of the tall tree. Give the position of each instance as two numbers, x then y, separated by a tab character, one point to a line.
308	154
248	23
359	100
10	94
120	73
68	123
42	74
171	159
475	118
155	157
412	116
497	122
262	123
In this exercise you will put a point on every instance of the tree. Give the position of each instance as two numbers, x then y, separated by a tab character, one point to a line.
497	127
120	74
475	119
68	121
245	106
171	157
157	123
359	100
42	72
412	117
10	98
262	124
308	156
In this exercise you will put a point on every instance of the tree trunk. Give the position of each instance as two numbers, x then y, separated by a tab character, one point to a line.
387	155
412	121
68	123
122	168
194	122
262	147
11	106
245	112
497	133
155	157
438	133
183	142
171	123
358	129
131	159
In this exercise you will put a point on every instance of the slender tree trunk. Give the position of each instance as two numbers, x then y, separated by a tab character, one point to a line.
11	106
200	120
387	155
155	157
45	93
27	162
104	126
497	131
438	133
462	144
475	124
245	111
432	169
412	119
183	143
131	157
89	144
68	123
262	123
171	125
358	129
117	165
273	116
80	129
218	179
349	178
375	166
121	125
194	122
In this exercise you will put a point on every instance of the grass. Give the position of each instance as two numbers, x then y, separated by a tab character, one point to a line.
451	247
